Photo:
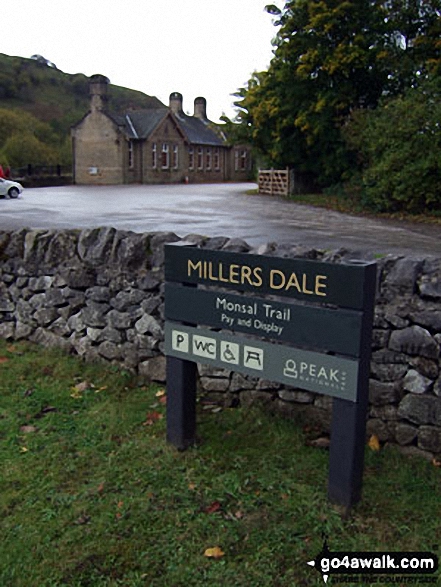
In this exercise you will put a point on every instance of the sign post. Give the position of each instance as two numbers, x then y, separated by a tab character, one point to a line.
321	344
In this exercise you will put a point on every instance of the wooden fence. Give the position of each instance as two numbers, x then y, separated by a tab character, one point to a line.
274	182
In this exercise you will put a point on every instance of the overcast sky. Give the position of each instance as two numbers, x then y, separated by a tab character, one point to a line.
204	48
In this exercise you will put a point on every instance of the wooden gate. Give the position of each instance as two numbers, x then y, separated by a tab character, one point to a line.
274	182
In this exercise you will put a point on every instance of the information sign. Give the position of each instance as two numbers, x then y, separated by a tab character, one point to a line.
327	374
326	329
321	339
310	281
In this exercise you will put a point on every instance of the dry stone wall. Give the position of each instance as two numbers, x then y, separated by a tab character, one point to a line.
99	293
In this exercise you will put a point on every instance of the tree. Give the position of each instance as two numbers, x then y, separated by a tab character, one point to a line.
400	145
22	149
330	59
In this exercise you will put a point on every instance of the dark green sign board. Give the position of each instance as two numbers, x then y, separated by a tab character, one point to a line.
325	329
310	281
318	340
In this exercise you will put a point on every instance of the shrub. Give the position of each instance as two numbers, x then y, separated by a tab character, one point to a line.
400	148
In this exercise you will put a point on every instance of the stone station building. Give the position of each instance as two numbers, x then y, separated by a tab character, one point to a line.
154	145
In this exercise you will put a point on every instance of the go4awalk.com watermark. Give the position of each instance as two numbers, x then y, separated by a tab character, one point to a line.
377	568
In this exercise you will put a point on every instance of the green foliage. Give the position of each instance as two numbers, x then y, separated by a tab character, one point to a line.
21	149
400	146
330	59
25	139
44	103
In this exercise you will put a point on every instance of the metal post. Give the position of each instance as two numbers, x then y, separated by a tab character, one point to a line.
181	402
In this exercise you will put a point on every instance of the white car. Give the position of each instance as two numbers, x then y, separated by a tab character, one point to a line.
10	188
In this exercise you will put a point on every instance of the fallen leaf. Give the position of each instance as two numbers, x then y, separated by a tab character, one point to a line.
100	488
163	400
213	508
160	393
436	462
24	449
192	486
44	411
322	442
214	552
27	429
83	386
374	443
152	417
3	360
239	515
100	389
76	395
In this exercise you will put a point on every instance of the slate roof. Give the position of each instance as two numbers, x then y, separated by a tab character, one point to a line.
139	124
198	131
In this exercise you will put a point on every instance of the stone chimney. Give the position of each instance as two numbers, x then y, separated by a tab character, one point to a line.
175	102
98	91
200	108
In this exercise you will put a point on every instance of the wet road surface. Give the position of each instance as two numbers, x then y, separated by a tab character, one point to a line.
214	210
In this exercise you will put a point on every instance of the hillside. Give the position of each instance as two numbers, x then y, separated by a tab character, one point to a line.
53	96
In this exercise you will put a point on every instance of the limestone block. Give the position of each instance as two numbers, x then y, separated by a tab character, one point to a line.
153	369
148	324
405	433
381	393
416	383
429	438
414	340
215	384
420	409
297	396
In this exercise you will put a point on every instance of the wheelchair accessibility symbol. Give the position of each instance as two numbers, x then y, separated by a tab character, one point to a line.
229	352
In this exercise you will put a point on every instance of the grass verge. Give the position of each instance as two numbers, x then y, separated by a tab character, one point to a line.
91	494
351	205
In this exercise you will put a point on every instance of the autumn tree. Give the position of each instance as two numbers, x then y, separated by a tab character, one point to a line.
330	59
25	139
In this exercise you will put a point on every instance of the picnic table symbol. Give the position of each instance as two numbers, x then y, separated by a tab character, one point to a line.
253	358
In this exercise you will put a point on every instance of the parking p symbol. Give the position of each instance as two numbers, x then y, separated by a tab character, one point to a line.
180	341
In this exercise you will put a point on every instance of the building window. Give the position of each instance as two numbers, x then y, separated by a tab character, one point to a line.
130	155
175	157
240	160
191	158
243	160
208	158
216	159
165	161
154	156
200	158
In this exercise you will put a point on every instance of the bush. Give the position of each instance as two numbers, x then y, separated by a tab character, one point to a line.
21	149
400	148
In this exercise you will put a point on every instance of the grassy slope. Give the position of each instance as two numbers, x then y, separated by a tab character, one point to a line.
56	97
91	494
